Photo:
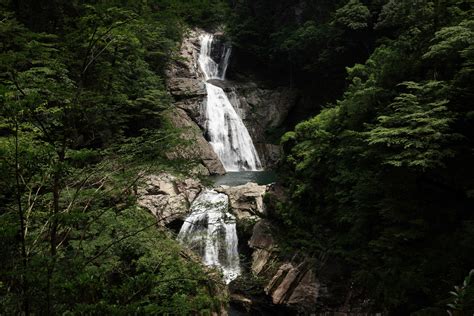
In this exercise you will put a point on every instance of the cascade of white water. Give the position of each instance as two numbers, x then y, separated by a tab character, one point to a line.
210	231
227	133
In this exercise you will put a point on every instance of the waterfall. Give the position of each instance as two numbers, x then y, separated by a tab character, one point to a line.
210	231
227	133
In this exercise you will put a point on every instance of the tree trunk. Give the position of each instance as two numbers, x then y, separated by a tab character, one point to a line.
24	281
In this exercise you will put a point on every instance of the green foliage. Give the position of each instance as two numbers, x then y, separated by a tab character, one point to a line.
382	179
416	134
463	297
204	13
354	16
303	44
83	100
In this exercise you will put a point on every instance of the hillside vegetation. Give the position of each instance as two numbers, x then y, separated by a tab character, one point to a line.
382	177
82	103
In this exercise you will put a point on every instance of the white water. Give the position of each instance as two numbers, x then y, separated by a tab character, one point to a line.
210	231
227	133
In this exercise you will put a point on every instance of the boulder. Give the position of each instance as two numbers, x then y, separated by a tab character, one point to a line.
307	290
261	236
167	197
245	201
281	283
260	258
262	244
289	283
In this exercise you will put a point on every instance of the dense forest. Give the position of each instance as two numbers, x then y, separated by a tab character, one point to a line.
82	103
382	177
377	167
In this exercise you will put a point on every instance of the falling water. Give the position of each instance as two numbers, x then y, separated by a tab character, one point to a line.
210	229
227	133
210	232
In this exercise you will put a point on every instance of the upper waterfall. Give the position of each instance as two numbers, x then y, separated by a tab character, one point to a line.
226	132
210	68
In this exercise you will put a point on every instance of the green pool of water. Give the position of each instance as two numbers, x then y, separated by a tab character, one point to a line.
243	177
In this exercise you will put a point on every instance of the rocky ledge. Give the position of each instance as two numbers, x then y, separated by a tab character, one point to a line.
167	197
286	283
290	283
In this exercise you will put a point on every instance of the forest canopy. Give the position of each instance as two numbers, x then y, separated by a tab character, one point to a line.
82	93
377	167
382	176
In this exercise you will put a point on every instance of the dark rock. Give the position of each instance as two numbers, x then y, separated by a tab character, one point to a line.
223	84
200	149
184	88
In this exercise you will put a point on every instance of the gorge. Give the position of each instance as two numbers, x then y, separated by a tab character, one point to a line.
217	213
237	157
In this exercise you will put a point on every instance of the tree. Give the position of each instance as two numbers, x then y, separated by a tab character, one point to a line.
81	120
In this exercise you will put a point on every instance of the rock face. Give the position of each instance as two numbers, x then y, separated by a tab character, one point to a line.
294	286
263	109
262	244
186	88
185	84
245	201
186	66
198	148
167	197
288	283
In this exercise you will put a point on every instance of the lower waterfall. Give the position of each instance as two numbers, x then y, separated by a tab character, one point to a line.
210	231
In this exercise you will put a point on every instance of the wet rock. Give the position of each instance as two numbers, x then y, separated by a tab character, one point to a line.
264	110
223	84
